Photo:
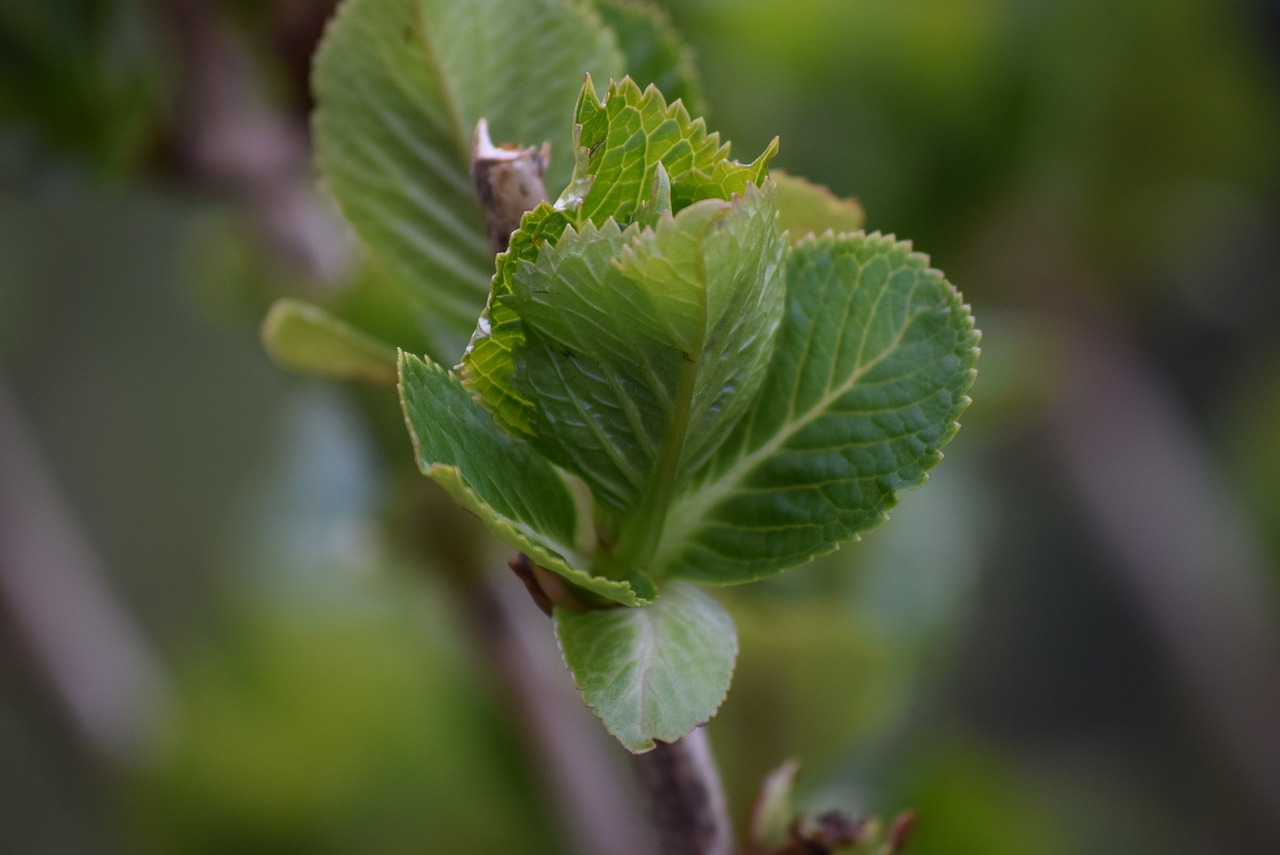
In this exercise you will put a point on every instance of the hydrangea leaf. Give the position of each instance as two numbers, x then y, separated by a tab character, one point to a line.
873	361
806	208
520	497
304	337
643	348
659	154
400	85
620	140
652	673
487	364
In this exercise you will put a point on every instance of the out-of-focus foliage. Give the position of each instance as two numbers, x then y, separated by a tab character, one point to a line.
353	726
80	77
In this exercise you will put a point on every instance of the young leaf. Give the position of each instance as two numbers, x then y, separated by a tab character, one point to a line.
400	85
636	153
643	349
487	364
806	208
873	360
306	338
619	142
520	497
653	673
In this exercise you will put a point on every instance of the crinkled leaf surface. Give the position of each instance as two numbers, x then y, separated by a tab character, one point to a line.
652	673
518	495
400	85
641	350
620	141
873	360
629	145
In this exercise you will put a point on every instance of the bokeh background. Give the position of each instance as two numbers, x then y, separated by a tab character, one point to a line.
222	627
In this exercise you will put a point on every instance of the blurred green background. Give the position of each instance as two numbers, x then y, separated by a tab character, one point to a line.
217	632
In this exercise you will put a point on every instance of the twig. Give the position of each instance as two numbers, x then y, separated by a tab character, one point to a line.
686	798
108	681
508	182
587	781
1196	569
229	138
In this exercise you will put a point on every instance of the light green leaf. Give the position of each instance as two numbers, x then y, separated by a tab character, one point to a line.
520	497
805	208
653	673
655	52
400	85
620	141
873	360
774	811
657	153
487	364
643	348
303	337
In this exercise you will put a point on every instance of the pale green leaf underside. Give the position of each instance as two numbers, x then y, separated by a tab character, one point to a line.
653	673
303	337
521	498
873	360
641	350
400	85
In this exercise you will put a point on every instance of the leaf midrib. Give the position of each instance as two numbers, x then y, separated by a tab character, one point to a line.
688	512
642	544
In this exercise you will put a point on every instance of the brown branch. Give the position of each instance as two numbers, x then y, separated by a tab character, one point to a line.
1180	542
258	154
686	798
586	781
107	681
508	182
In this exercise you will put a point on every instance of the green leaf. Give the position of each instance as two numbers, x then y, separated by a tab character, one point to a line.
657	152
643	348
620	141
487	364
873	360
773	811
521	498
805	208
653	673
655	53
400	85
306	338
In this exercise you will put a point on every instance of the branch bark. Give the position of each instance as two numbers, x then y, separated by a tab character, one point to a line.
686	798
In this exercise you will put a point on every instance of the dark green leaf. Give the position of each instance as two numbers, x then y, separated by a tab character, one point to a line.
873	360
518	495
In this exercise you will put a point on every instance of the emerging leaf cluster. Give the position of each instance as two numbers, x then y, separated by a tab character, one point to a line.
733	405
664	386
